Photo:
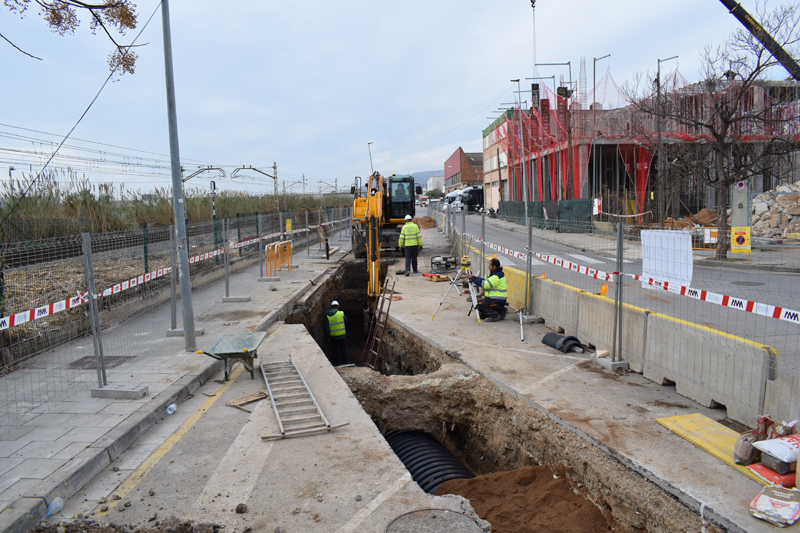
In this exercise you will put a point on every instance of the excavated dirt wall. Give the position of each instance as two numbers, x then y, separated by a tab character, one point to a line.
490	431
421	387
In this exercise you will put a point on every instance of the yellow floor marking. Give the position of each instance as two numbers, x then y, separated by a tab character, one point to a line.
710	436
130	483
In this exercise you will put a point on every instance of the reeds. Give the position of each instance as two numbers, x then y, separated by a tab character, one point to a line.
62	203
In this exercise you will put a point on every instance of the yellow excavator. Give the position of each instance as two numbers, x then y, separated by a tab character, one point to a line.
379	211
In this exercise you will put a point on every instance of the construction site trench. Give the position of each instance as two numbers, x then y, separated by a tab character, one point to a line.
535	473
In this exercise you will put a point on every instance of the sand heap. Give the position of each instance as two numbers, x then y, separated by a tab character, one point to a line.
776	213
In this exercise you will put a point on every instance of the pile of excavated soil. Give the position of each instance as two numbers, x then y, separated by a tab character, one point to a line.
528	499
425	222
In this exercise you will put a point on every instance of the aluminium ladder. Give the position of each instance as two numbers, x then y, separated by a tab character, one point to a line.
295	407
378	325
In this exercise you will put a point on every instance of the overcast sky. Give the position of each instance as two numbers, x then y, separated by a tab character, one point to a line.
309	84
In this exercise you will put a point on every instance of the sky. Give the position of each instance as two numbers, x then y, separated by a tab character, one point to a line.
308	85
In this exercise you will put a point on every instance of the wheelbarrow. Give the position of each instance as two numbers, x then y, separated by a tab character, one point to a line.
242	346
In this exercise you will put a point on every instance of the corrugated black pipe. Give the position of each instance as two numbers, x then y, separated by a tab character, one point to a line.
429	463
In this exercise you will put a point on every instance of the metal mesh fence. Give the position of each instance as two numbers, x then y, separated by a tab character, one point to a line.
725	333
46	342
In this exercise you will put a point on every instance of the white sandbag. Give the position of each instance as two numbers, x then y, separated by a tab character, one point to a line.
784	449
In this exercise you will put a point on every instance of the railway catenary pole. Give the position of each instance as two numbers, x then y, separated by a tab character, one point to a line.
177	186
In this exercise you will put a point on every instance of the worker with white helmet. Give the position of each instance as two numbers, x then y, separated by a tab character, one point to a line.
411	240
334	325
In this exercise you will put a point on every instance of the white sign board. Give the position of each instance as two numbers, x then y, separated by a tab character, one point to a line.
666	257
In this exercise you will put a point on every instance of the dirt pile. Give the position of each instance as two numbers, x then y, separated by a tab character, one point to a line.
425	222
528	499
776	213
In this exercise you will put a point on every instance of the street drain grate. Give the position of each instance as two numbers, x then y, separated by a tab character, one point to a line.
747	283
111	361
433	521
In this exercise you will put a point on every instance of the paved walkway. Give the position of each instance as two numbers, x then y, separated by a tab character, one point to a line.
61	445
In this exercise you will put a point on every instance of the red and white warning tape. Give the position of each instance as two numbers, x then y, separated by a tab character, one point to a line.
748	306
70	303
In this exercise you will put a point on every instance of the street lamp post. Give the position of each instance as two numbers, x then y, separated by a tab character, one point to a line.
522	157
595	187
370	157
661	203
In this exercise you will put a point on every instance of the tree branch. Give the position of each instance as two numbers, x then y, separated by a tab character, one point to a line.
18	48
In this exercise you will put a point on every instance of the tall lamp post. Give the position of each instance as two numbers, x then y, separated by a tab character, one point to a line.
661	203
370	157
522	155
189	338
595	187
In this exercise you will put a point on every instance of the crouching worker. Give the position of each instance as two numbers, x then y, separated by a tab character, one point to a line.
337	334
492	307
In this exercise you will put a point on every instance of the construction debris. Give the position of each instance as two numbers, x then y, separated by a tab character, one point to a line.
776	214
249	398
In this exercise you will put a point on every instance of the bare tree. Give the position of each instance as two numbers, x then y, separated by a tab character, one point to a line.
739	124
62	17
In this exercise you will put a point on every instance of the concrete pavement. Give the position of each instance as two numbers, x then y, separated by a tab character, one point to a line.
616	413
62	445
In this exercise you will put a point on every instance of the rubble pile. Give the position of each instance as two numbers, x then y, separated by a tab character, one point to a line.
776	213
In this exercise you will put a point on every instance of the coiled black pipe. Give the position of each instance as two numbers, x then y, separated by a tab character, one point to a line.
429	463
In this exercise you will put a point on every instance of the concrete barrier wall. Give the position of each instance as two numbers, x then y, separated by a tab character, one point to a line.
557	303
709	366
782	399
706	365
596	326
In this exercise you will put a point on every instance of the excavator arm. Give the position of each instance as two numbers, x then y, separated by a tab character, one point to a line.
374	218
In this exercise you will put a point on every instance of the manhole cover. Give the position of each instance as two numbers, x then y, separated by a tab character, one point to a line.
747	283
111	361
433	521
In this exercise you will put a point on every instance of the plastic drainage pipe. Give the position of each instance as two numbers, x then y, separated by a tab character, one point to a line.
429	463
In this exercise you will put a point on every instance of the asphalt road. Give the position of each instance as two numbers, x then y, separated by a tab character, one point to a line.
773	288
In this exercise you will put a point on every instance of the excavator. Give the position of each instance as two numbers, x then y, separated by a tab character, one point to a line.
379	210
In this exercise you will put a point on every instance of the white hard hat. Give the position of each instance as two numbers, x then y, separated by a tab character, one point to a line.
335	303
408	217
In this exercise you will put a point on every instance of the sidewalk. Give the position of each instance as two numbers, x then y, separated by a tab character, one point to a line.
615	413
67	443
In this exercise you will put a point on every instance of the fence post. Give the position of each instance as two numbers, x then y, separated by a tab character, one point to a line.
464	232
319	221
260	249
172	285
528	266
616	354
225	227
238	233
483	243
308	237
88	269
144	241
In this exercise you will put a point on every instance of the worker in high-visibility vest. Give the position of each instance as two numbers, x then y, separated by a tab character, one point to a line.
411	240
335	326
492	307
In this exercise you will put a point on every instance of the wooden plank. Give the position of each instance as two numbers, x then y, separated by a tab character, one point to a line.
708	435
249	398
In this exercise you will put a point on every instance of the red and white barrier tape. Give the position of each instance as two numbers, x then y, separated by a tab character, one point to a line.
557	261
770	311
70	303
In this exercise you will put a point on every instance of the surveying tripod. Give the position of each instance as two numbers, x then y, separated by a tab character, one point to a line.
462	274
